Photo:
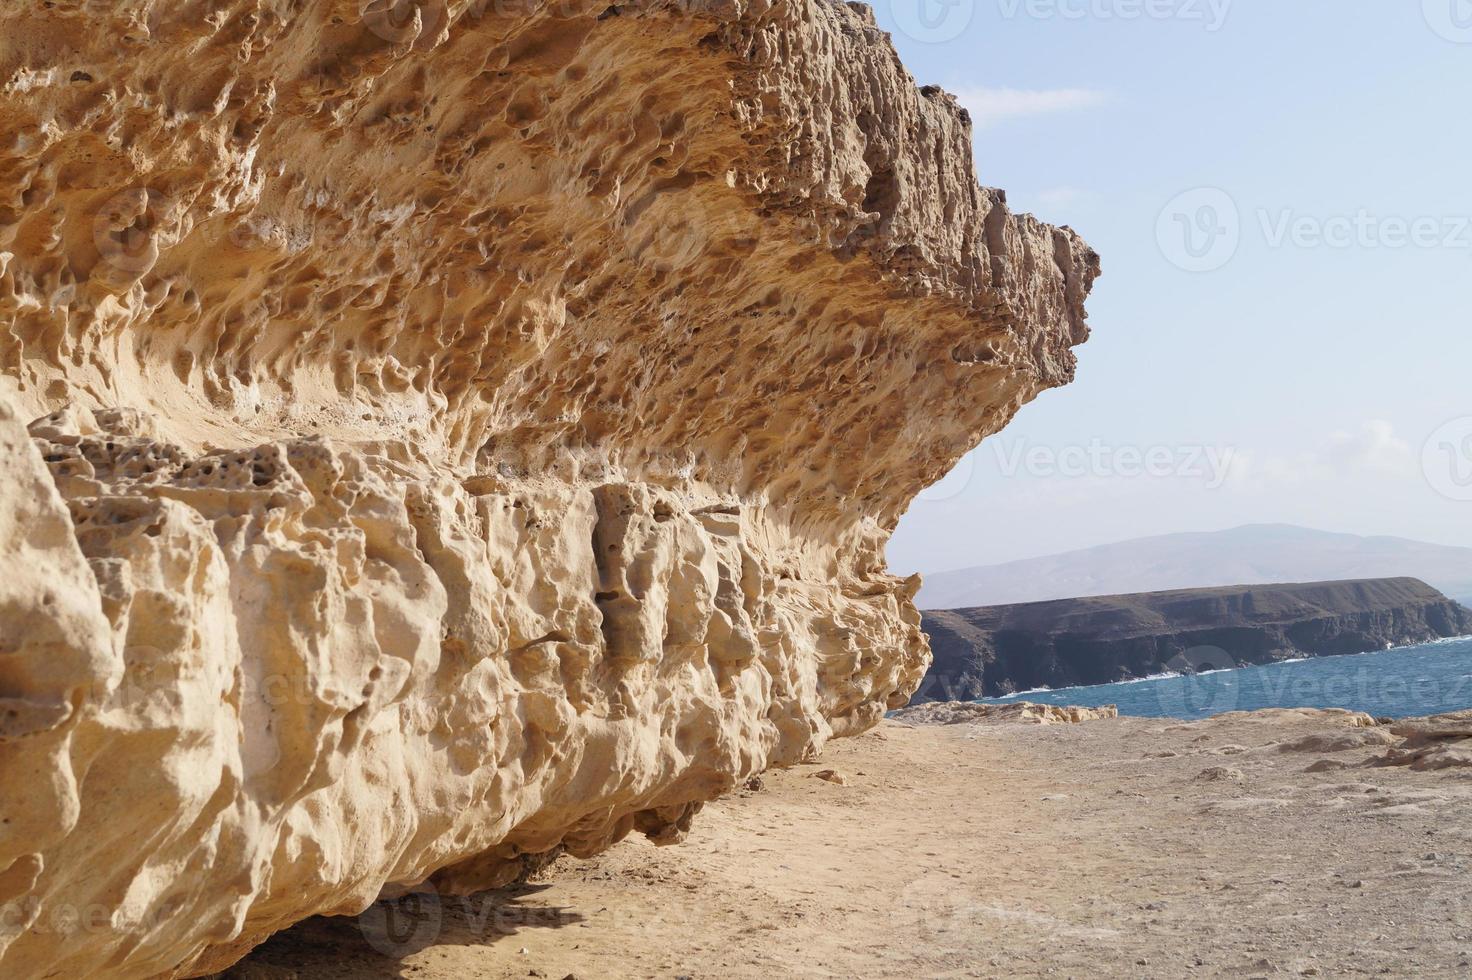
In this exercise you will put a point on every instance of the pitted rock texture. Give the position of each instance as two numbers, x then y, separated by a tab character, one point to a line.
971	713
463	433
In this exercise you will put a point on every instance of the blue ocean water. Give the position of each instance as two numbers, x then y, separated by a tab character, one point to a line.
1400	683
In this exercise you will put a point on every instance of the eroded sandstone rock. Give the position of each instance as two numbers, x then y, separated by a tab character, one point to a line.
464	433
972	713
1437	742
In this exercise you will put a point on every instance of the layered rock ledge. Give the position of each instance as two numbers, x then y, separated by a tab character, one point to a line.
462	433
998	650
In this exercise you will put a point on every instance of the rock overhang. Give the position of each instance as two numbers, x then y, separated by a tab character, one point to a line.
464	434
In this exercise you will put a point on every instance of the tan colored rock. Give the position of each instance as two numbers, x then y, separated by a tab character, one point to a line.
968	713
1454	725
1437	742
1327	765
1280	717
463	435
1432	757
1356	738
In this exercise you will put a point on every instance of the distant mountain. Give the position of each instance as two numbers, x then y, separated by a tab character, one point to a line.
1252	555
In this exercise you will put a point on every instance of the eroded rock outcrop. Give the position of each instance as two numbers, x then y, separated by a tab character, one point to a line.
971	713
463	433
1437	742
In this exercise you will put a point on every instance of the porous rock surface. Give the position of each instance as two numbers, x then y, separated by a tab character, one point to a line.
972	713
463	433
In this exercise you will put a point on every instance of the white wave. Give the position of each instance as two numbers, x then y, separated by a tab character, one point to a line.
1033	690
1445	640
1169	674
1085	687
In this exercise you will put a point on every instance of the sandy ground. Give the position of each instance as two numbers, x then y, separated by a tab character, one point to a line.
1112	848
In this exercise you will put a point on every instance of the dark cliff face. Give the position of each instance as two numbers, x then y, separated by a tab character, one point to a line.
999	650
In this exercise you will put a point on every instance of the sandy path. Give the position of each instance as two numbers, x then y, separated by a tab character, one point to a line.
1014	850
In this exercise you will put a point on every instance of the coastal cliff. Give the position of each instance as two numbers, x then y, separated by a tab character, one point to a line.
459	434
998	650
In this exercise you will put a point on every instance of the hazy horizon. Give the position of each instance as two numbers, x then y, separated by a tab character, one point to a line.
1170	534
1280	335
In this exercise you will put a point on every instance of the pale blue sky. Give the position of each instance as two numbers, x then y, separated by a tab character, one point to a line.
1316	373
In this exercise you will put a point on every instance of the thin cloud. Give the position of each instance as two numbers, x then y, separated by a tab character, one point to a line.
1060	197
989	106
1374	449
